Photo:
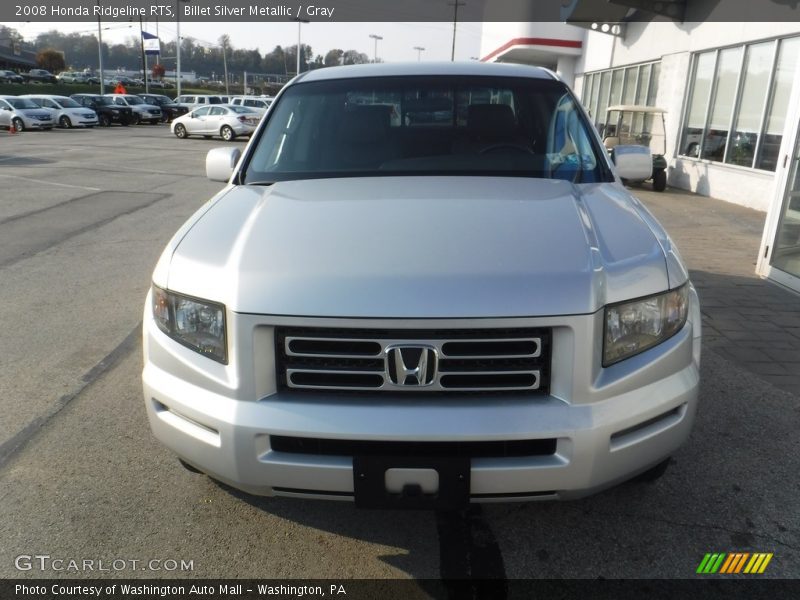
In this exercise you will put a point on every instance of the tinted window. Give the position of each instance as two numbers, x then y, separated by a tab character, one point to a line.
427	126
201	112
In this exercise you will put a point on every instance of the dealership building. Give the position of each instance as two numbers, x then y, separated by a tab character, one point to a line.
731	92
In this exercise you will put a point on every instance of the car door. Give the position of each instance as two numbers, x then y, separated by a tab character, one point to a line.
5	114
216	119
198	124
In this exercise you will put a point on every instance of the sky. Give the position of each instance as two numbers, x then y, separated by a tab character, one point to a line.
397	44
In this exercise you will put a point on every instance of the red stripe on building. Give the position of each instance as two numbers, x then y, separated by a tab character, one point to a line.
532	41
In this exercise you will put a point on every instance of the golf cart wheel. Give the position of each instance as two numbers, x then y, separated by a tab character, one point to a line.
18	124
659	180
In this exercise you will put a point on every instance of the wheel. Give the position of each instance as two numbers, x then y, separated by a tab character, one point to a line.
180	131
104	120
18	124
659	180
653	473
137	119
165	117
64	122
227	133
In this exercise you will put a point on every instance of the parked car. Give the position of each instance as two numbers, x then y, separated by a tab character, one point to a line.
10	77
222	119
169	109
66	111
260	105
142	111
39	76
192	100
156	84
422	316
107	111
22	114
72	77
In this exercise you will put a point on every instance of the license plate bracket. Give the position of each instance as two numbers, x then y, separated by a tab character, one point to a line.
369	483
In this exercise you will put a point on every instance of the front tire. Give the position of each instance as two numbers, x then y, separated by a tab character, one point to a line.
227	133
64	122
660	180
18	124
104	120
180	132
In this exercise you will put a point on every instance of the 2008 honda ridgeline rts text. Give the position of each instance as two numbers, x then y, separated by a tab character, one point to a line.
424	285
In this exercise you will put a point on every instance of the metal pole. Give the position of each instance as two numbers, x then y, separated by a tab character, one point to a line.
100	51
178	49
299	23
375	52
144	57
455	4
225	64
419	50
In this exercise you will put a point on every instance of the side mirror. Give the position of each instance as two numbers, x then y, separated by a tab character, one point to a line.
633	162
220	163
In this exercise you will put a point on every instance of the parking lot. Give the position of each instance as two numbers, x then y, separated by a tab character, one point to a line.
84	215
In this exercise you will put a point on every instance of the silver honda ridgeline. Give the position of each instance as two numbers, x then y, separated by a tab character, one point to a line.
424	285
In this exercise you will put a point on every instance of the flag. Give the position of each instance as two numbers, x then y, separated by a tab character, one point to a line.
151	43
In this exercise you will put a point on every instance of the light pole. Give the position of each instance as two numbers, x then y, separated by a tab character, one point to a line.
455	4
178	48
100	50
419	50
375	53
299	23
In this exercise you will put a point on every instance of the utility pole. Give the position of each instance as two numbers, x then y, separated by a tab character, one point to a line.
375	53
299	23
144	58
225	64
455	4
100	50
419	50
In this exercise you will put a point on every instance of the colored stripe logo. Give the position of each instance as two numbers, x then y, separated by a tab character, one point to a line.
734	563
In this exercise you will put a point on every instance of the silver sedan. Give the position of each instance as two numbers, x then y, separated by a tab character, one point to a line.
221	119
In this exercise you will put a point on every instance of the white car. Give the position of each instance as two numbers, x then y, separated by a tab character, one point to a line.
418	312
66	112
22	113
221	119
142	111
260	105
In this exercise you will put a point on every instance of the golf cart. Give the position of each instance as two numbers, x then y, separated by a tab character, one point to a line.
629	125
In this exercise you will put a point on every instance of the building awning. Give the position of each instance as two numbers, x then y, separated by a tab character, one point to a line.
21	58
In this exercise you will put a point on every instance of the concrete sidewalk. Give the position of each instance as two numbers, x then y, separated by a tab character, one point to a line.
746	319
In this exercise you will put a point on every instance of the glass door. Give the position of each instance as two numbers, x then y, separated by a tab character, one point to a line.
786	246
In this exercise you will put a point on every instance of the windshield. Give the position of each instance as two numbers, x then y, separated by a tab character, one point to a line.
241	109
102	101
134	100
426	126
22	103
67	102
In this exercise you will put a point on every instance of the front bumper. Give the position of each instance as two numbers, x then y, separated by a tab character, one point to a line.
607	424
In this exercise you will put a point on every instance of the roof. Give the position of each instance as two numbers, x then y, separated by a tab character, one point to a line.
637	108
469	68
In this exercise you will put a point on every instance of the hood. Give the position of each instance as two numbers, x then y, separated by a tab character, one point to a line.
419	247
40	113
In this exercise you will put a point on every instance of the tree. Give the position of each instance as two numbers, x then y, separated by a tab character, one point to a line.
51	60
354	57
158	71
333	57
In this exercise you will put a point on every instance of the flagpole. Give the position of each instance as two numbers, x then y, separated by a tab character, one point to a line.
144	56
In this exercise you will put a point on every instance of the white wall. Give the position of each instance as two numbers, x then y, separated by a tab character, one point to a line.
495	35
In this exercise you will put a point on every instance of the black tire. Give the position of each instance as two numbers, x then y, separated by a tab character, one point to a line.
104	120
653	473
180	132
659	180
137	119
64	122
18	124
227	133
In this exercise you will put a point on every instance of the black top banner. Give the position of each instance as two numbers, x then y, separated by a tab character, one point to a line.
401	10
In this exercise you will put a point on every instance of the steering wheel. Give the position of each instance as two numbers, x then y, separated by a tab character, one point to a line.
506	146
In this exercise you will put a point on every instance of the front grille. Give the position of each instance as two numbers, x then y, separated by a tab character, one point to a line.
457	360
331	447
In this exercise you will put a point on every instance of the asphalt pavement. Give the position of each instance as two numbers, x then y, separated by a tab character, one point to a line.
84	216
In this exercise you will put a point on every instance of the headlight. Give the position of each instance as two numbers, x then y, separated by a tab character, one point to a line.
197	324
633	327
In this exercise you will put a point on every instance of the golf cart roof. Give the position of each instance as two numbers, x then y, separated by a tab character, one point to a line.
636	108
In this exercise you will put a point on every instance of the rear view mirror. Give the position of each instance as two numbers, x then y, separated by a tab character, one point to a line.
634	163
220	163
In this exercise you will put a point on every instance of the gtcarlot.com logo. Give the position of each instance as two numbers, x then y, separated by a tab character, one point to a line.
733	563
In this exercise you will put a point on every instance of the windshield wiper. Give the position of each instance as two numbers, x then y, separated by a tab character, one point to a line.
265	182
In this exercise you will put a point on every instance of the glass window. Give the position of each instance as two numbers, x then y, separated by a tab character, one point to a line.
595	95
698	103
644	82
779	103
652	90
757	67
420	125
616	87
602	100
728	66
